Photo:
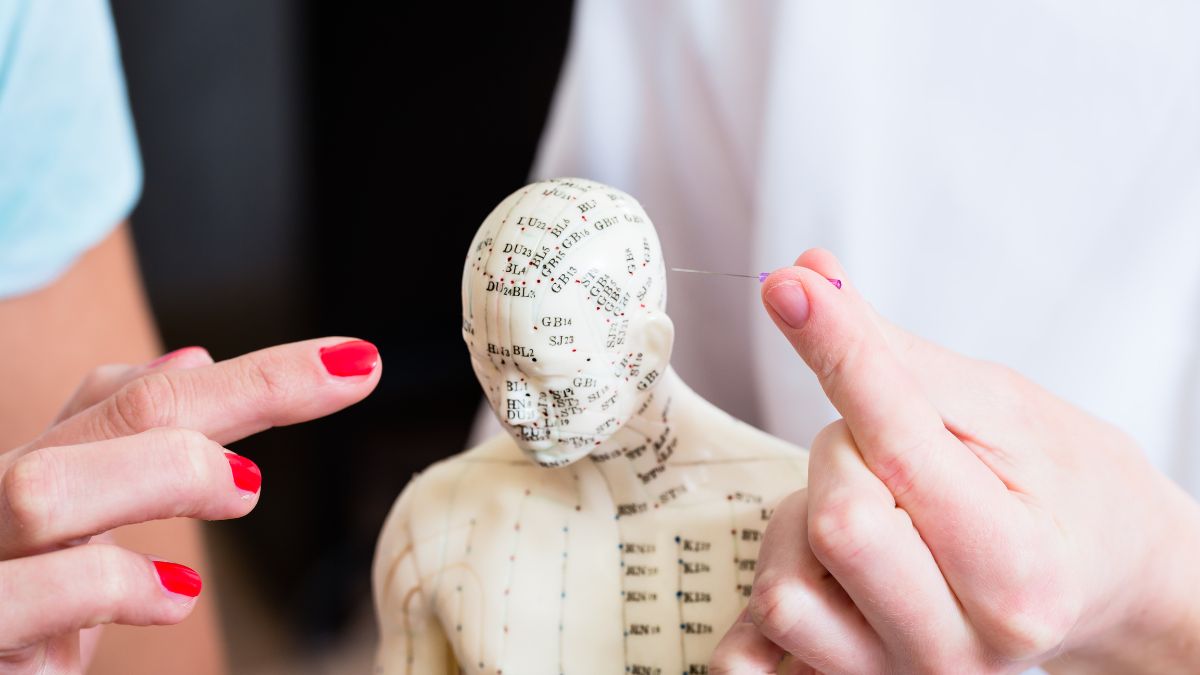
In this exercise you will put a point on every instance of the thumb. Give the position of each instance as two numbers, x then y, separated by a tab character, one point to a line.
976	399
836	334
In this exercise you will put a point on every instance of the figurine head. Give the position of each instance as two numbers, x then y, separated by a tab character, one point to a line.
563	295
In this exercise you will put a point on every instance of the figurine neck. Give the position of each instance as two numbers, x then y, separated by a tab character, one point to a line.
667	433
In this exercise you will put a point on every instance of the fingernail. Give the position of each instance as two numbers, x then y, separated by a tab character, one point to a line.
246	474
357	357
168	356
178	579
789	302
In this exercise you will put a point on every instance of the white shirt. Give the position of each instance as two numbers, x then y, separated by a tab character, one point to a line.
1017	180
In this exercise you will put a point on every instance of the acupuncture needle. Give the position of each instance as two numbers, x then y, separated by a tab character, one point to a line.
761	276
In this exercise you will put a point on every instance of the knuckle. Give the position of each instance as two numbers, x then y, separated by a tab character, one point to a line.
898	468
268	378
187	460
842	531
1033	613
777	604
101	376
833	434
725	659
831	367
112	571
826	444
145	403
723	662
1029	629
31	494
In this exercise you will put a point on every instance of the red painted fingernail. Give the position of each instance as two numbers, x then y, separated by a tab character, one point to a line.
357	357
246	474
178	579
169	355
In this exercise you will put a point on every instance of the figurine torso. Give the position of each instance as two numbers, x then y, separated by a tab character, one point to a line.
595	567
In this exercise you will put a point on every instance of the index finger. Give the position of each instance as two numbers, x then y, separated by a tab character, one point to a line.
230	400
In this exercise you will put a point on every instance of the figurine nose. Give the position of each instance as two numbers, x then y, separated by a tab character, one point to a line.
520	403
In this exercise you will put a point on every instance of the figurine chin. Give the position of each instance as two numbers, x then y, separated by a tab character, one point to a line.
553	453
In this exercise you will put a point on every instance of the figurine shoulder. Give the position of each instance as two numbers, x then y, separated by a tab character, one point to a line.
439	487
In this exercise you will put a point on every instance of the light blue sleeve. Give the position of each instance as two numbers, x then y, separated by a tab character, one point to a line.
69	164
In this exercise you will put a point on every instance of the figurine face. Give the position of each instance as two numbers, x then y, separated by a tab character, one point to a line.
563	296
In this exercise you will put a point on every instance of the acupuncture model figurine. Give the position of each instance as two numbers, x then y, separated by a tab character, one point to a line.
614	528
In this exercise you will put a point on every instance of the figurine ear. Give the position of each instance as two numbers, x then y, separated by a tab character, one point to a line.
657	339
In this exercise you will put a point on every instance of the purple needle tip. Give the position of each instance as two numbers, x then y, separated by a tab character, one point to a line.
762	276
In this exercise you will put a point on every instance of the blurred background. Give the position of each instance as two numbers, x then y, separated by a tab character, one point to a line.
282	142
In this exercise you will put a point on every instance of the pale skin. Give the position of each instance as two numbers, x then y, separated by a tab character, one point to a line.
133	444
959	518
101	298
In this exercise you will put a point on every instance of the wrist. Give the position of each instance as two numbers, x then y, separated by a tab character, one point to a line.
1160	630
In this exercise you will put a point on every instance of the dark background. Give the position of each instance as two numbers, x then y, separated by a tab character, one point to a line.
319	169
